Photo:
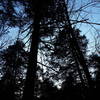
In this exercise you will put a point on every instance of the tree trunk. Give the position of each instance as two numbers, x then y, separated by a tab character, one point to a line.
74	45
28	93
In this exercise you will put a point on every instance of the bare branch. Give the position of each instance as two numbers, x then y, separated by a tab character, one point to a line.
84	21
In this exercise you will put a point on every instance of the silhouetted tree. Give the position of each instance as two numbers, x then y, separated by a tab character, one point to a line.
34	10
15	61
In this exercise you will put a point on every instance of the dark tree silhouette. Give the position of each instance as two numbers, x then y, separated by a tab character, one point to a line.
15	62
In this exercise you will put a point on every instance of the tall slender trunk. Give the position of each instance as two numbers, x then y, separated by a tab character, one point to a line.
28	93
79	55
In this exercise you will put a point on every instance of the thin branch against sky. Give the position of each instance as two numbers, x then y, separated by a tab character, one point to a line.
87	17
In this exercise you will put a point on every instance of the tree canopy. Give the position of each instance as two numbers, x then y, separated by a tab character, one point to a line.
48	58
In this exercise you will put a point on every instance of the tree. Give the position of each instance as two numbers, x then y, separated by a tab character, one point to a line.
15	61
62	58
94	65
62	33
35	11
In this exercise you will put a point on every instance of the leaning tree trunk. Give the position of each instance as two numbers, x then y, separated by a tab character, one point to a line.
28	93
77	51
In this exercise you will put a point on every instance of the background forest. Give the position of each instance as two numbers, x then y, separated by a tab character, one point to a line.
46	52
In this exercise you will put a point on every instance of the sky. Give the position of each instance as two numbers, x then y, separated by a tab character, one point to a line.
92	31
92	13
